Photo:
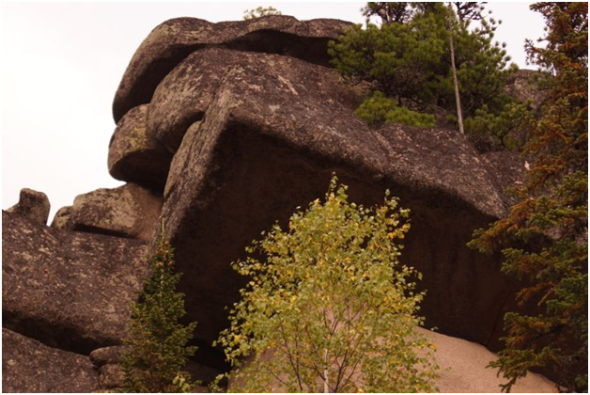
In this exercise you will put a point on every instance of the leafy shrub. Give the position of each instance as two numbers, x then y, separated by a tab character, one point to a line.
331	309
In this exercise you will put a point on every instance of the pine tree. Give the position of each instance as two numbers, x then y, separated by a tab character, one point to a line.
157	341
544	239
408	58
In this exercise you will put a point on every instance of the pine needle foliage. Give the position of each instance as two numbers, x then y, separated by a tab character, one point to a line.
331	309
406	58
544	238
157	340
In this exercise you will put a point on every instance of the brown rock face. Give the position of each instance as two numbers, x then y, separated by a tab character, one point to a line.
134	153
272	131
128	211
63	219
33	205
30	366
69	290
107	355
173	40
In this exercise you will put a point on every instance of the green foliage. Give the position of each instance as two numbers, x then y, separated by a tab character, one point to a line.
407	57
259	12
389	13
158	342
379	110
331	308
495	131
544	239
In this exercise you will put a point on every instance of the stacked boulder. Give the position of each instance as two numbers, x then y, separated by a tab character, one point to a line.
222	130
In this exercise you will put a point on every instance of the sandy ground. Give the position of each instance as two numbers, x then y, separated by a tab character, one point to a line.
463	368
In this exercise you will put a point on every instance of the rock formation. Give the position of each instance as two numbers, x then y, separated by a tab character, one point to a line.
32	205
223	129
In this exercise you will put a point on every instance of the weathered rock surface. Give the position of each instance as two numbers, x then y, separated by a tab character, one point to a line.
134	153
173	40
523	85
111	376
184	95
107	355
63	219
270	137
70	290
508	168
127	211
463	368
33	205
30	366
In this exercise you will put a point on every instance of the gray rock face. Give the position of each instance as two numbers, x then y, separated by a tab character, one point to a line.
30	366
33	205
127	211
134	153
173	40
271	134
70	290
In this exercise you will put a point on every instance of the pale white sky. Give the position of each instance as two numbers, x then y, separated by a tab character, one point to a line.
61	64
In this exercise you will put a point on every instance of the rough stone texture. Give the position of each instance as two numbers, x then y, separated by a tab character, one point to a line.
184	95
63	219
30	366
33	205
127	211
110	376
135	155
523	86
463	368
107	355
70	290
269	139
507	167
175	39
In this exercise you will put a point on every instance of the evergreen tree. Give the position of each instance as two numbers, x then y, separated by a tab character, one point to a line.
331	309
544	239
408	58
157	341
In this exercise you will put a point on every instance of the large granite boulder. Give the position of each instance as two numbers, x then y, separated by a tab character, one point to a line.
30	366
127	211
70	290
261	134
173	40
134	153
33	205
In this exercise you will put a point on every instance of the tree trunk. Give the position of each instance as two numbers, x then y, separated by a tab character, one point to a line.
454	68
326	384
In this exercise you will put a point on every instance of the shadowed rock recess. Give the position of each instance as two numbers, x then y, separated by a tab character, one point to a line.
222	130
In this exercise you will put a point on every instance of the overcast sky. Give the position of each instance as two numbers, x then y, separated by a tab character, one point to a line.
61	64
